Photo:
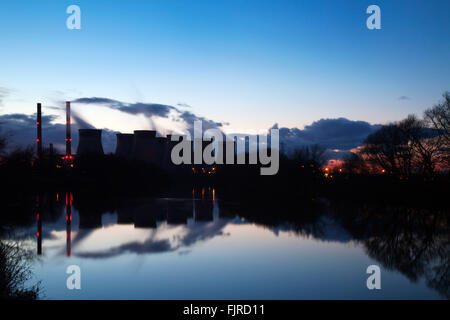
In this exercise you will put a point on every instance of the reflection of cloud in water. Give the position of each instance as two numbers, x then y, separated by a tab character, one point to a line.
149	246
80	235
194	232
203	231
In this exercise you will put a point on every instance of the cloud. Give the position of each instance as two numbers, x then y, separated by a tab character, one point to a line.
20	131
76	117
189	118
151	110
203	231
183	105
147	109
404	98
83	124
334	134
194	233
151	245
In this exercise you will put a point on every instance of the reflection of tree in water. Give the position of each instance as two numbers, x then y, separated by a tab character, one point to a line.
300	216
414	241
15	271
437	273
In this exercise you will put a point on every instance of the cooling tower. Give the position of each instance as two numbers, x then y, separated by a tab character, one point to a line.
144	148
90	142
169	165
124	148
161	151
201	144
228	150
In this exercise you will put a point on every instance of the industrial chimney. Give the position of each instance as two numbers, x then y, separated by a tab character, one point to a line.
39	131
124	148
144	148
68	136
90	142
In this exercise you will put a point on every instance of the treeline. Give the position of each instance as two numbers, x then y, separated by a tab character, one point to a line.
411	147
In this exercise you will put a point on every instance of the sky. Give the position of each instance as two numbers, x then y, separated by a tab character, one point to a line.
245	65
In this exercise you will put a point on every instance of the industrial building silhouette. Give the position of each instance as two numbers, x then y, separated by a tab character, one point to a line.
142	145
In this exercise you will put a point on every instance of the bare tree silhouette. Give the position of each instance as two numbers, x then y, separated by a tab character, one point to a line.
438	117
413	146
15	270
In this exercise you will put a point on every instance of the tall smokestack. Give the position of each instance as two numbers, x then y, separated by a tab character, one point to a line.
68	137
39	131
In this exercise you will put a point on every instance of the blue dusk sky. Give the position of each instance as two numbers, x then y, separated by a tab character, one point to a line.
247	64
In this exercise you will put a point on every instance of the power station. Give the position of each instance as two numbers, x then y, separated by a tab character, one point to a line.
142	145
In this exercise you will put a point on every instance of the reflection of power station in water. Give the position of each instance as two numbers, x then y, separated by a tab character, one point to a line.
50	215
173	211
69	199
39	225
179	211
142	213
203	206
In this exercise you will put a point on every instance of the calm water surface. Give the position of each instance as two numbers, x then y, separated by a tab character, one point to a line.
200	247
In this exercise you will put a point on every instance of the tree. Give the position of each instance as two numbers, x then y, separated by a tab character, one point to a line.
355	164
405	148
15	271
438	118
313	155
423	142
388	148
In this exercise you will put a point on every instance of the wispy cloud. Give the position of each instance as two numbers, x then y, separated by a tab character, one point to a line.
3	93
147	109
151	110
